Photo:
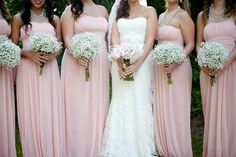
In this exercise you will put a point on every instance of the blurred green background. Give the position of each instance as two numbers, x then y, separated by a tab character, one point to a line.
15	6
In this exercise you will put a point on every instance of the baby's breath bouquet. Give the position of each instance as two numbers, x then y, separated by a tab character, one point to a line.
212	55
168	53
9	53
85	46
129	52
46	43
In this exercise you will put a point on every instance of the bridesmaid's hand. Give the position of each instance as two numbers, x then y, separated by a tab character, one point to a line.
169	68
219	71
38	57
51	57
133	68
208	71
83	62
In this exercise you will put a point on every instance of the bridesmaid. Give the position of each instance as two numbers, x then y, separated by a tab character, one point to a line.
85	104
38	96
7	105
217	23
172	103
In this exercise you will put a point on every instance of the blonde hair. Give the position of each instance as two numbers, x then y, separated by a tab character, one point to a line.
185	4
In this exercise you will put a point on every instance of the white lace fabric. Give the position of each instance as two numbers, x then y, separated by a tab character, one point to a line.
129	127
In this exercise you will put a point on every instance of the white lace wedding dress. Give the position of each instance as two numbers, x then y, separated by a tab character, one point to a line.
129	127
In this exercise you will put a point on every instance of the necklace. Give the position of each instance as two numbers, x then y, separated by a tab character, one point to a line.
38	18
91	10
168	17
216	16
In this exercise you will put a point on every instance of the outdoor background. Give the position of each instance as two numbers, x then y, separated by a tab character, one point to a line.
15	6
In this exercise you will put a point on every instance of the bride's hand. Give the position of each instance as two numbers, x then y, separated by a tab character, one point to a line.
133	68
121	68
121	73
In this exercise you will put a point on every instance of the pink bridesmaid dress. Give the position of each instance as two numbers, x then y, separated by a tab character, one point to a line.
85	104
7	105
38	101
172	103
219	100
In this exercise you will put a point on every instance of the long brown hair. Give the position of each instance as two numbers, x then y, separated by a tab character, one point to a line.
123	9
4	11
230	9
77	8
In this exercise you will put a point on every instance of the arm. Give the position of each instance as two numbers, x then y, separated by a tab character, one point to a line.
53	56
200	28
115	40
151	31
187	29
200	39
17	23
67	25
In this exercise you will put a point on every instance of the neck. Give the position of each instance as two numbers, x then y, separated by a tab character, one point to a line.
37	11
134	5
219	5
171	6
87	2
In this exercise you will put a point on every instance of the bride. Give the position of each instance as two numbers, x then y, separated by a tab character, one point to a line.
129	127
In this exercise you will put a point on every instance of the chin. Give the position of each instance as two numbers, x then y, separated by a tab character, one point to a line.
172	1
38	3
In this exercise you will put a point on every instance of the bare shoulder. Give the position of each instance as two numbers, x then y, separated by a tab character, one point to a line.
150	10
17	19
103	11
67	11
183	14
56	18
200	15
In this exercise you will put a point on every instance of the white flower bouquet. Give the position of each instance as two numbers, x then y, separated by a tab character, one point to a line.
212	55
168	53
9	53
46	43
129	52
85	46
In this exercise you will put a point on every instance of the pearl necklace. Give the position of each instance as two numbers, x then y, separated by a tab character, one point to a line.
214	16
38	18
91	10
168	17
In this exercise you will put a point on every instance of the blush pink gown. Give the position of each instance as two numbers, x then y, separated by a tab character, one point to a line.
38	101
85	104
219	100
172	103
7	105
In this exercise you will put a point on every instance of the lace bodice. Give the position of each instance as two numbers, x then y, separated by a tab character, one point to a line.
132	30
